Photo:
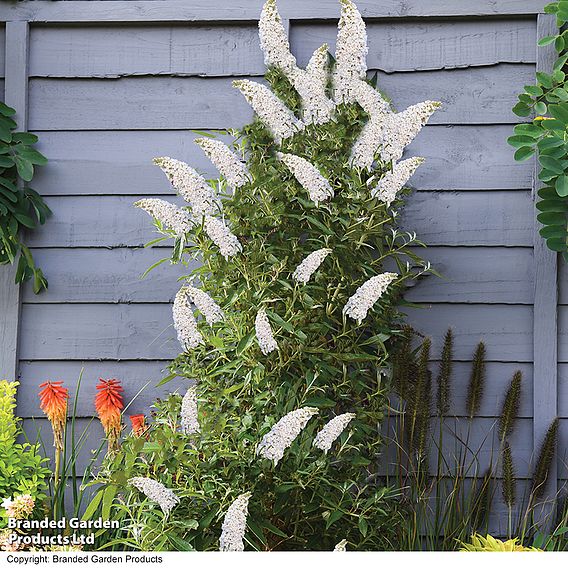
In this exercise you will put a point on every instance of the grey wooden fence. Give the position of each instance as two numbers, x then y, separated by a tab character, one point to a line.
107	85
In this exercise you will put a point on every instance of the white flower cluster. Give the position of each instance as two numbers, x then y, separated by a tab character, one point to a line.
308	176
309	265
185	322
350	53
370	100
400	129
234	525
367	294
310	83
188	413
273	39
205	304
225	160
332	430
221	235
264	334
284	432
172	217
368	142
392	182
341	546
190	185
277	117
20	507
157	492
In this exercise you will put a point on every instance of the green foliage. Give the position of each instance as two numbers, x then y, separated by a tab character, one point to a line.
310	500
22	466
546	135
545	459
511	404
21	208
303	503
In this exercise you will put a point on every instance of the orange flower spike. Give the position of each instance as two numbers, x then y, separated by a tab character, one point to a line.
109	405
138	422
53	401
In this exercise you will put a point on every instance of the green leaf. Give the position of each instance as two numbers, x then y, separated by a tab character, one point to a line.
557	245
521	109
363	526
562	186
559	112
546	40
551	164
25	168
533	90
524	153
93	506
335	516
551	218
520	141
554	231
540	107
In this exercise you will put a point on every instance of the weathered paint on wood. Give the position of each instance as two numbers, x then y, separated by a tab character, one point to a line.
208	10
484	275
104	331
545	302
439	218
507	331
418	45
89	275
17	34
95	275
103	51
470	218
120	162
479	95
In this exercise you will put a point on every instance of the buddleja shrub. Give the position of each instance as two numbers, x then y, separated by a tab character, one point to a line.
286	323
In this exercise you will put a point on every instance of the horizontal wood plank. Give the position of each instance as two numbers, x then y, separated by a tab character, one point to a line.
418	45
469	96
506	330
120	162
470	218
482	275
111	51
439	218
106	276
105	331
138	378
477	275
208	10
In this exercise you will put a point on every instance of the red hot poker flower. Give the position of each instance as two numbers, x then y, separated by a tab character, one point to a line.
53	401
109	405
138	422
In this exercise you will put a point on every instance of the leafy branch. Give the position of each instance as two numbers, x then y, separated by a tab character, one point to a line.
21	207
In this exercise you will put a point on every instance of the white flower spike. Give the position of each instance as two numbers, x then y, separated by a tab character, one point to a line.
309	265
332	430
284	432
277	117
172	217
188	414
185	323
264	334
225	160
221	235
391	183
190	185
205	304
309	177
234	525
367	295
156	492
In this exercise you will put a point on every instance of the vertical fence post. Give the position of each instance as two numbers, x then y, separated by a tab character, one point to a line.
545	305
16	96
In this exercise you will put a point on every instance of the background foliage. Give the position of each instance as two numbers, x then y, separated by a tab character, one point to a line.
21	208
546	135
